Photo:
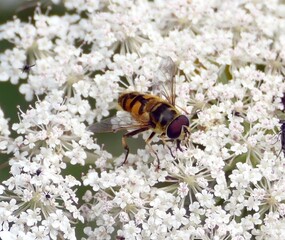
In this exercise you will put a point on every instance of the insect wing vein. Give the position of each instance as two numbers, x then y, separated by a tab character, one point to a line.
164	82
114	124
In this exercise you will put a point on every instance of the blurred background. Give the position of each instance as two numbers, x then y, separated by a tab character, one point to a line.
9	6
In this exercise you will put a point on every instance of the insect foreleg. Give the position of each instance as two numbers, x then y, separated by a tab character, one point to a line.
130	134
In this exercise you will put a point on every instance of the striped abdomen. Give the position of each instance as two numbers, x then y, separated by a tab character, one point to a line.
151	110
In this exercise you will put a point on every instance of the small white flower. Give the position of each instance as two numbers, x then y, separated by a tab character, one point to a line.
205	199
77	154
226	181
130	230
239	149
183	189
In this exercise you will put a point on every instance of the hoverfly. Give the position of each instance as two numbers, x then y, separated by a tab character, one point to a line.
150	112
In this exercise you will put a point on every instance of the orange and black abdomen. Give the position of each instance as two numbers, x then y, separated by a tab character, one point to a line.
148	109
134	103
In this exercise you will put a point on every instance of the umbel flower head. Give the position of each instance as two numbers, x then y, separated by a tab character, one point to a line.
228	180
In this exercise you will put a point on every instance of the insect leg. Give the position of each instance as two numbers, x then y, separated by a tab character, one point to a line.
164	141
178	146
170	151
281	134
130	134
148	143
283	138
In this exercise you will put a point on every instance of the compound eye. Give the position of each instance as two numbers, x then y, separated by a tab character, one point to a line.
175	127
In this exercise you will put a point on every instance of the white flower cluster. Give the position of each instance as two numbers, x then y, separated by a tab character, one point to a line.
227	183
4	132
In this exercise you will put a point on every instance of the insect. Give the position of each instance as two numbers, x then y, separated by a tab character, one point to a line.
26	68
151	112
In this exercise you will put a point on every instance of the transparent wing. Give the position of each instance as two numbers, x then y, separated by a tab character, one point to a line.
114	124
164	82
